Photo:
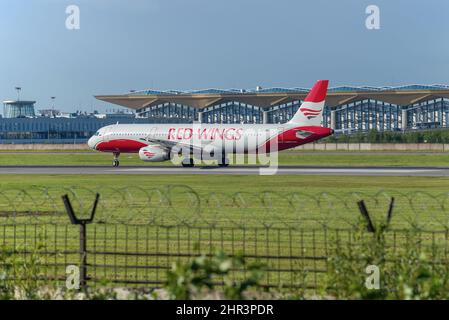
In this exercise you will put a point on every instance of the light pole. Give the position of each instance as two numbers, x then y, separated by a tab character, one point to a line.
53	106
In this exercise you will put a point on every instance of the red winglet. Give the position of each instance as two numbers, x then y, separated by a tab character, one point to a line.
318	92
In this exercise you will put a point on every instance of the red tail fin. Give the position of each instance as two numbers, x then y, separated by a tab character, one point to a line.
310	113
318	92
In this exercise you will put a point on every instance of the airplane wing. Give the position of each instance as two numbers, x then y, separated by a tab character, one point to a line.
172	144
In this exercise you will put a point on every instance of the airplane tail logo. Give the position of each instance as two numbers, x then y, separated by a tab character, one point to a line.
310	112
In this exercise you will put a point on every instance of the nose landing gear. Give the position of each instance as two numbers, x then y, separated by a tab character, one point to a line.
116	162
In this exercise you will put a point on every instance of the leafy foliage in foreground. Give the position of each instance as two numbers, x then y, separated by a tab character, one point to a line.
416	272
199	277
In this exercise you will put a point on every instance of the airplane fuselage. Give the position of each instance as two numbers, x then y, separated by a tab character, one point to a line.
160	142
230	138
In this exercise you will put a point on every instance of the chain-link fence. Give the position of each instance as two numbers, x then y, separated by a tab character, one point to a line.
137	234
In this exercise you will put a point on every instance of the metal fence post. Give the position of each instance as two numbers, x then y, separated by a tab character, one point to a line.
370	225
83	235
365	214
83	256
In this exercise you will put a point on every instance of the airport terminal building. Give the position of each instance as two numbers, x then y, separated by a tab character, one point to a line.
57	130
348	108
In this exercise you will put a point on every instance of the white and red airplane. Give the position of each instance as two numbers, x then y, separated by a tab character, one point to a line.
160	142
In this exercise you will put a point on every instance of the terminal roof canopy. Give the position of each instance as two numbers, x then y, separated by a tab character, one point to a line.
18	102
265	98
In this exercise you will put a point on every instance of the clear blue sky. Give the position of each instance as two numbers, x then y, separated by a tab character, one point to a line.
195	44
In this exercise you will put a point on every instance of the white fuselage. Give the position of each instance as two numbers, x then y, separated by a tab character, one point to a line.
158	142
231	138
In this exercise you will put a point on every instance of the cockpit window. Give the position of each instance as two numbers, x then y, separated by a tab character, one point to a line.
97	133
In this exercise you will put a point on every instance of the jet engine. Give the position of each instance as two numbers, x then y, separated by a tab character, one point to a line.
154	154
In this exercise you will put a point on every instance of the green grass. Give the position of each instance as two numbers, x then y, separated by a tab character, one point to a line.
234	220
365	159
285	158
240	198
229	184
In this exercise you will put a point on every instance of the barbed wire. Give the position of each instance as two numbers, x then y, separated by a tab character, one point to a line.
180	205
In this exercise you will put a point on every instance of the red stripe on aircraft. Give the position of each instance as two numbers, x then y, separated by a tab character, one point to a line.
311	110
288	139
121	145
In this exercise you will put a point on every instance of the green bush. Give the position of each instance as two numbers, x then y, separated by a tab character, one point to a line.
198	278
408	270
19	278
6	283
413	273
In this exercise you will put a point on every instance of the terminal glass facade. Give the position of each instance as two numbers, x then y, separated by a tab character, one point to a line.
17	109
358	115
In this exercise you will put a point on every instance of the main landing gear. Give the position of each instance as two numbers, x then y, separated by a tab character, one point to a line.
188	163
115	162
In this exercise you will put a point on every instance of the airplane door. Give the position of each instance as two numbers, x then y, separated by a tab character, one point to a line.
106	134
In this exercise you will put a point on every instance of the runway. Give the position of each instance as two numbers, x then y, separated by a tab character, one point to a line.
232	170
296	152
